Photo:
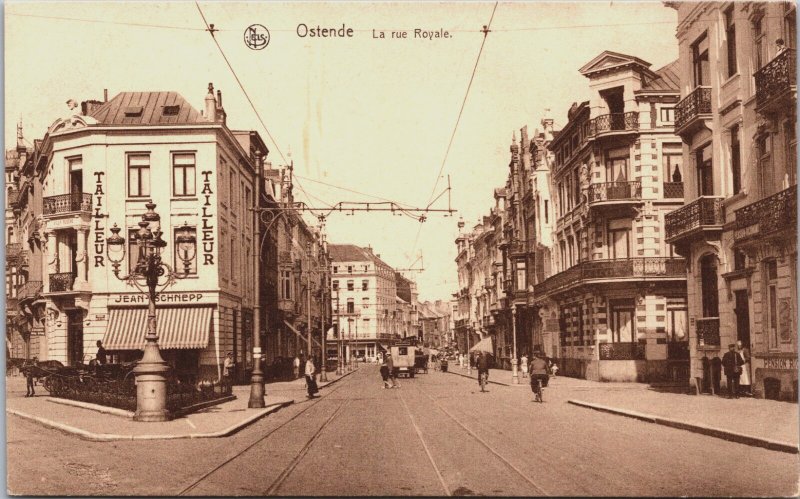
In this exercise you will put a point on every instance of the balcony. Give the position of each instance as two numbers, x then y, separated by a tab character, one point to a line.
691	112
67	203
12	197
614	123
771	217
13	253
286	306
708	332
776	84
343	312
63	281
600	271
702	218
516	248
615	193
673	190
29	290
622	351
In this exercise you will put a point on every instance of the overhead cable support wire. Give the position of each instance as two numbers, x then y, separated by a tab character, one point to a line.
317	181
486	30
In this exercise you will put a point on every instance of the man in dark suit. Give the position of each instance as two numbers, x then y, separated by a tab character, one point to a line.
732	365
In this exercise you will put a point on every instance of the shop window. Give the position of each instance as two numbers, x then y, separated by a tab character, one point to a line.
622	320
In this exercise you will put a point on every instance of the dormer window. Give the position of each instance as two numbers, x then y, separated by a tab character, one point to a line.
170	110
133	111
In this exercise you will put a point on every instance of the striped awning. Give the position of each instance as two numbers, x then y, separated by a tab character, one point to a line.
178	327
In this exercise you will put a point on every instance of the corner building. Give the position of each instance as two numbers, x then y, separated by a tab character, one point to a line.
616	291
98	169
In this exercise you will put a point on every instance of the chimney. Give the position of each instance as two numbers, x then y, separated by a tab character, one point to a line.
211	104
221	116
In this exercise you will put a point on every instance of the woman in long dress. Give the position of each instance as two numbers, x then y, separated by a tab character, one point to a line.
744	379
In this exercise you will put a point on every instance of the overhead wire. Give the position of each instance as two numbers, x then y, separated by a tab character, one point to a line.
486	32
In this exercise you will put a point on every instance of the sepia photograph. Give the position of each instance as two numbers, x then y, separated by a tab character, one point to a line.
272	248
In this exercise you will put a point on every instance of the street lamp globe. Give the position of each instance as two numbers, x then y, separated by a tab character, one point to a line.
187	244
152	218
115	248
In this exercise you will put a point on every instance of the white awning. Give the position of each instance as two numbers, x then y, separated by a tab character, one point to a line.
177	327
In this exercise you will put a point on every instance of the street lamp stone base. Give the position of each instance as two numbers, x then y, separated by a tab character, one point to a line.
151	389
256	392
514	372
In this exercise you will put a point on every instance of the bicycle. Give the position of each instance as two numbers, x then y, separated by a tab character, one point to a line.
483	379
537	389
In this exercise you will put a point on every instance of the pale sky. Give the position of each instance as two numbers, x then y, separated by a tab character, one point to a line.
371	115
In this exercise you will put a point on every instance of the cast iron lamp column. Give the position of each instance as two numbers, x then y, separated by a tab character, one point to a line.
151	370
514	373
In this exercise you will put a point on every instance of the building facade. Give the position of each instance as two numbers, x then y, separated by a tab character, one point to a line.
738	229
98	168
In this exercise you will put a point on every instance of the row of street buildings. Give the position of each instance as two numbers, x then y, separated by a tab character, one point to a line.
658	224
255	265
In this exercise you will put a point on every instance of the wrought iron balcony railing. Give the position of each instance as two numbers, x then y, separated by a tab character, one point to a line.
673	190
67	203
693	106
13	197
767	216
615	191
63	281
13	251
708	331
622	351
643	267
615	122
776	78
703	212
343	311
29	290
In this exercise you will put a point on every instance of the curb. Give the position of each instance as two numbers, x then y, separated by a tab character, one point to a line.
476	379
106	437
731	436
94	407
329	383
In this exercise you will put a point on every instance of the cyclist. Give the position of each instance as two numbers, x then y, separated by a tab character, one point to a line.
539	372
483	370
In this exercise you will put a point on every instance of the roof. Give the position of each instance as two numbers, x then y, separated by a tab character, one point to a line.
147	108
348	253
608	61
667	79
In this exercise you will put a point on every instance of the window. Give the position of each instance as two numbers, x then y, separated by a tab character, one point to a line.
184	253
700	62
791	153
366	268
705	174
350	286
335	285
622	312
570	250
730	40
335	269
577	184
563	248
286	285
739	260
677	319
364	285
232	180
183	180
619	235
759	44
790	24
672	162
708	280
234	259
736	165
349	269
667	115
138	175
766	175
771	278
351	306
546	211
365	302
520	275
75	175
617	165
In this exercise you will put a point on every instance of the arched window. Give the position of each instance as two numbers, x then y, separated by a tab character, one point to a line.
708	280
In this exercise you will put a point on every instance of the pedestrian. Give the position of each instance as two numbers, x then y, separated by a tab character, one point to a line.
385	373
553	368
524	365
482	363
101	353
296	370
780	45
29	372
732	365
311	381
227	373
539	371
744	380
392	373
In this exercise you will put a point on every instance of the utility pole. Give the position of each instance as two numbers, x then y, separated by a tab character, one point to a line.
257	377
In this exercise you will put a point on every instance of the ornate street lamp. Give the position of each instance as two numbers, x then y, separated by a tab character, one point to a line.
150	371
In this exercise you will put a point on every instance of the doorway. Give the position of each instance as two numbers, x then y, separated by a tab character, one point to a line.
742	312
74	337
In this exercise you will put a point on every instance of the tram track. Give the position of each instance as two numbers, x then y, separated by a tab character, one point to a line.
538	489
229	460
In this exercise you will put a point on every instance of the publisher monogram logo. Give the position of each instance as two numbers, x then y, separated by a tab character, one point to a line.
256	36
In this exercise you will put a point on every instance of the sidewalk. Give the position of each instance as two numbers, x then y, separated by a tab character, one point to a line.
86	420
760	422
